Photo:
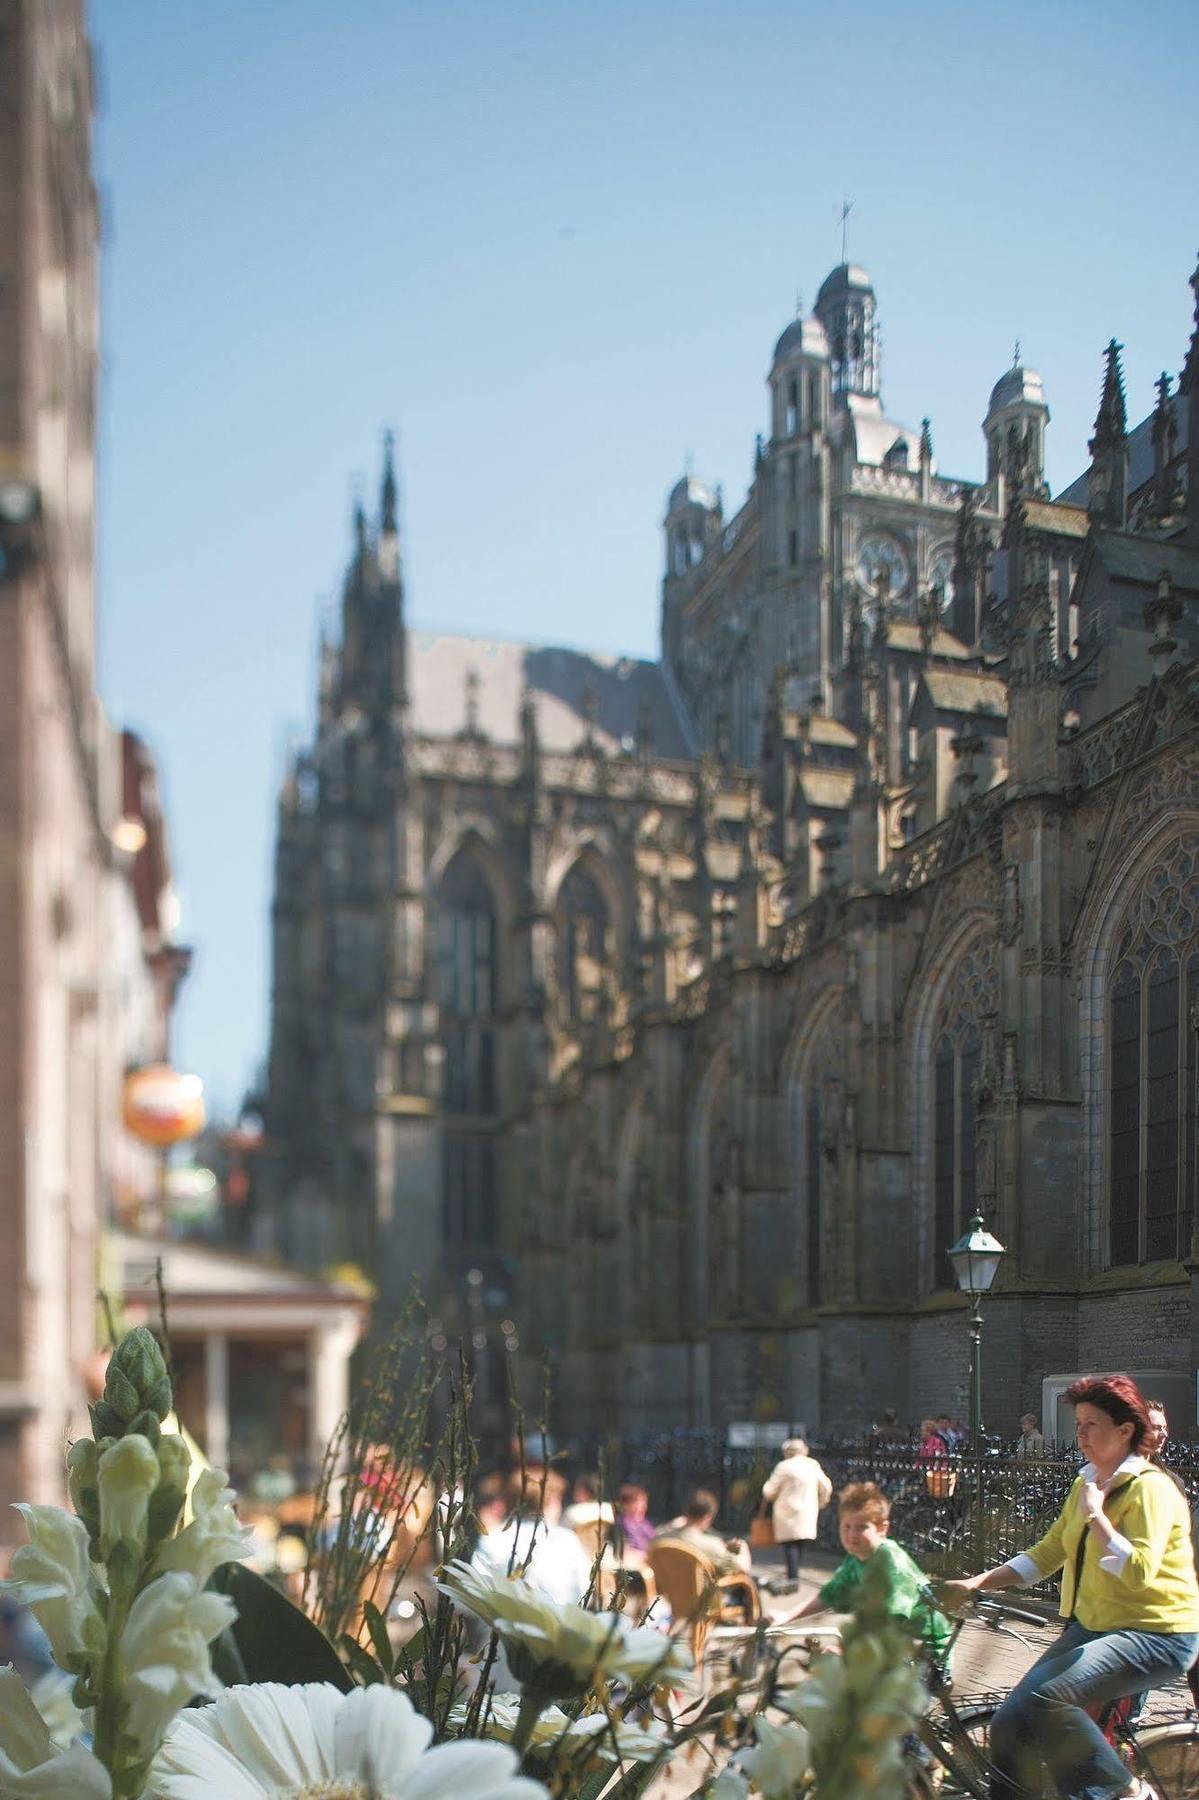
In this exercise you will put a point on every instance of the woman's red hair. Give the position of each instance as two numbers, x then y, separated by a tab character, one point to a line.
1119	1397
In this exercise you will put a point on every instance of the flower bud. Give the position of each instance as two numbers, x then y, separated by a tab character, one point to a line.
166	1502
83	1460
128	1475
137	1376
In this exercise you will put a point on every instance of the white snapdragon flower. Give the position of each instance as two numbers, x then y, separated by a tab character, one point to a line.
52	1694
730	1784
128	1475
270	1742
30	1764
52	1575
575	1645
214	1535
164	1648
779	1761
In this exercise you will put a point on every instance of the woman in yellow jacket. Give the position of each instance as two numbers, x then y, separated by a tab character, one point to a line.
1129	1594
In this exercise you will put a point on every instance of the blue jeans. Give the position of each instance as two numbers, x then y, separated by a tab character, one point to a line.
1042	1720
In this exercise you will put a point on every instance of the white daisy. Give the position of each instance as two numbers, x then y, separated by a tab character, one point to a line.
554	1728
579	1645
270	1742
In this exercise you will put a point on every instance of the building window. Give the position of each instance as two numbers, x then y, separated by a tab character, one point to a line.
1153	1053
970	1000
791	423
1152	1107
793	475
583	947
466	986
469	1210
814	410
814	1159
793	548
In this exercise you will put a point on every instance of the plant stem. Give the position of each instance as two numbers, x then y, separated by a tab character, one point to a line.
109	1697
531	1708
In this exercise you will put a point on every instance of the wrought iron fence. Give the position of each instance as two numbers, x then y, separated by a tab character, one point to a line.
958	1512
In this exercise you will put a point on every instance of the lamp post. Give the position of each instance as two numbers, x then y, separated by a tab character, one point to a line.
976	1257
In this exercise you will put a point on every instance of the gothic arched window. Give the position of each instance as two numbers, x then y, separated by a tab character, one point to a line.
818	1101
1153	1012
466	942
957	1044
583	945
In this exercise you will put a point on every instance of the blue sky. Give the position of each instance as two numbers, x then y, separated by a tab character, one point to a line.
552	245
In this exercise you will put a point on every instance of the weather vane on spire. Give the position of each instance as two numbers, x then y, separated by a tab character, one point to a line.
846	209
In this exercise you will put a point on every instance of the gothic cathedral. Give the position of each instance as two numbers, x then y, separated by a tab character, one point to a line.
674	1018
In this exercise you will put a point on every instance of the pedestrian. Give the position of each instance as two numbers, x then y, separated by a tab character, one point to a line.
888	1430
797	1489
1031	1442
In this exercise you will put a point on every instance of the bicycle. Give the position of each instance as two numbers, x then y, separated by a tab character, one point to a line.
957	1737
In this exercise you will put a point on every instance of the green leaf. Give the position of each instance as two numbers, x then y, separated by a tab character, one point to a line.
274	1639
380	1642
361	1661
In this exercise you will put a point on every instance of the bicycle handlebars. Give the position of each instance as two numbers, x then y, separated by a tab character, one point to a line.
1002	1610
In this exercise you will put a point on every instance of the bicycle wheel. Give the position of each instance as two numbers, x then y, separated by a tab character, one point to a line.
1167	1757
967	1778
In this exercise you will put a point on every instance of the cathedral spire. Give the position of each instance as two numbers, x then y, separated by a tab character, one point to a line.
1189	385
387	496
389	541
1108	491
1165	439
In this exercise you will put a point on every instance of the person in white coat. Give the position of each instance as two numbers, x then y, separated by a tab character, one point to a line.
796	1488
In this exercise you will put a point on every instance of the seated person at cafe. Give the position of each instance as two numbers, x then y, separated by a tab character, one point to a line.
634	1531
729	1556
535	1543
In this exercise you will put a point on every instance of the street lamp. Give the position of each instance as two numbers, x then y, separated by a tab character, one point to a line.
976	1257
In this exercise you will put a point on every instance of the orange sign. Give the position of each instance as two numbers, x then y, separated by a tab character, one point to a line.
163	1107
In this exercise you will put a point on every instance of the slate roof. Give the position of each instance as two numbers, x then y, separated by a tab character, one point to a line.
831	789
1142	559
440	663
904	634
1054	515
1140	454
961	691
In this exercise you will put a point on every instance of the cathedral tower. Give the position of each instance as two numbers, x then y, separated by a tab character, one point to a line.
1015	430
847	309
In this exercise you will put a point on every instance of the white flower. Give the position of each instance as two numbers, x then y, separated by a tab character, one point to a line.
730	1784
289	1743
164	1648
781	1757
29	1762
498	1720
582	1644
52	1575
214	1535
52	1694
128	1475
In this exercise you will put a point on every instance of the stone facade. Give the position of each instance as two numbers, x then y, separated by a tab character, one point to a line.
675	1019
86	927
